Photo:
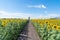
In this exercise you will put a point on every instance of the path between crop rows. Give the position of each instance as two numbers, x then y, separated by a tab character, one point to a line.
29	33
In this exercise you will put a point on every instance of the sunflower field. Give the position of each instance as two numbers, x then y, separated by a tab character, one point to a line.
10	28
48	29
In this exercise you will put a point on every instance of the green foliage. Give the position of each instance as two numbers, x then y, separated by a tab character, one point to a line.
11	30
45	34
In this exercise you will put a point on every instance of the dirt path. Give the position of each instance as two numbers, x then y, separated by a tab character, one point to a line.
29	33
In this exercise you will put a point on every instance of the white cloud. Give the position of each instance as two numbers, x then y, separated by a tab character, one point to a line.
36	6
43	6
4	14
51	15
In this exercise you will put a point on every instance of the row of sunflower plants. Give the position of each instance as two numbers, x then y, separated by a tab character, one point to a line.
10	28
47	30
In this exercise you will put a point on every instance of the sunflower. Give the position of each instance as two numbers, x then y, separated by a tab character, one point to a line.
48	27
41	25
54	27
51	24
58	27
47	22
3	23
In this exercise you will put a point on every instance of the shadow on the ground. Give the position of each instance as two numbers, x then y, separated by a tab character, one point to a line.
24	33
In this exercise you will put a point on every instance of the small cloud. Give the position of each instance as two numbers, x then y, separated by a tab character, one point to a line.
36	6
43	6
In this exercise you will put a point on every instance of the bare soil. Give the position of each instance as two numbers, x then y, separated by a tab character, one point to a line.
29	33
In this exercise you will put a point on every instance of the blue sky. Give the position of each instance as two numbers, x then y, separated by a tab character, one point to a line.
32	8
